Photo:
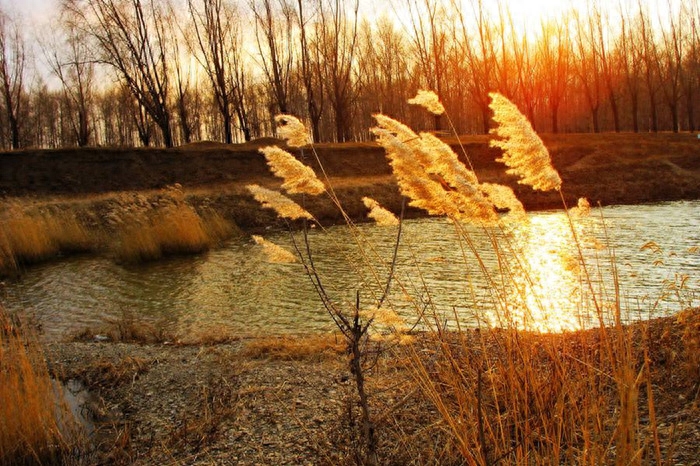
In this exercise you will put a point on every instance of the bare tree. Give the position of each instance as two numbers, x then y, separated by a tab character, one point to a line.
217	46
630	59
589	67
608	66
555	59
309	64
71	61
479	55
133	39
336	40
12	67
670	66
650	54
383	70
274	35
691	66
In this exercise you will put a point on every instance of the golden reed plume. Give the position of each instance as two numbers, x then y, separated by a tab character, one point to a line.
298	178
291	129
274	252
285	207
523	150
428	100
380	215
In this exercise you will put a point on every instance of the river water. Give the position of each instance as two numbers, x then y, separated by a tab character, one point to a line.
529	273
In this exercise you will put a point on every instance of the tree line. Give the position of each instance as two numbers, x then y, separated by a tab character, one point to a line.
172	72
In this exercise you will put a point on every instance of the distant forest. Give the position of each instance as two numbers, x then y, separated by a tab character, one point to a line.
171	72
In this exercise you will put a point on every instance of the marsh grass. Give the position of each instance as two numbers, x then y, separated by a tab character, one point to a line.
30	235
131	227
36	425
508	392
147	230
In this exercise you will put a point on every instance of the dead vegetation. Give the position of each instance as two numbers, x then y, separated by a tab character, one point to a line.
36	425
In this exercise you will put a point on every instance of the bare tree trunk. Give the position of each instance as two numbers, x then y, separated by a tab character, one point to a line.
12	61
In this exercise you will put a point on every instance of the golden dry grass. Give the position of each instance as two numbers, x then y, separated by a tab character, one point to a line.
32	235
295	348
36	427
175	229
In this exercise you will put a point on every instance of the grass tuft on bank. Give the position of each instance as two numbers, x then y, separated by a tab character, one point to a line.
36	425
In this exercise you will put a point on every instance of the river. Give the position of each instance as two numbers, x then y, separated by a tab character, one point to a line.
528	273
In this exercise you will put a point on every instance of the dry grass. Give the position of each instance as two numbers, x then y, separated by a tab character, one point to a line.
127	329
132	227
36	426
314	347
31	235
150	229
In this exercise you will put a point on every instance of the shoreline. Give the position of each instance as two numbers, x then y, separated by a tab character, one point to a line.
281	400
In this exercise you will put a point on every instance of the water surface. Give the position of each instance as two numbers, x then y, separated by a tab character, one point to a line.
530	272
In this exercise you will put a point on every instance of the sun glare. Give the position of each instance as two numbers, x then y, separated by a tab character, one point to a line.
546	292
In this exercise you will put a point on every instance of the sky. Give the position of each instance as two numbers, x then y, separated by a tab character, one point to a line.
527	11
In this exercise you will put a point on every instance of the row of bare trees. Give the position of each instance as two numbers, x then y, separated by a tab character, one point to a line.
153	72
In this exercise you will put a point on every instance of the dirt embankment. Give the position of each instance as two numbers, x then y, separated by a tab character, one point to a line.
606	168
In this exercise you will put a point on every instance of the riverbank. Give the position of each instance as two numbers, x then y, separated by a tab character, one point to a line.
610	168
285	400
142	204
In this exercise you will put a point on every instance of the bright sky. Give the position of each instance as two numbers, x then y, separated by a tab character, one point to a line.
527	11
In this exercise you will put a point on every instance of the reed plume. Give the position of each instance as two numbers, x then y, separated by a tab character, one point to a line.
429	173
428	100
274	252
380	215
503	198
298	178
285	207
291	129
582	209
523	150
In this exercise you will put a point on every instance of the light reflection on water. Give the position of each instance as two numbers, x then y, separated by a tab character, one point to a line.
235	290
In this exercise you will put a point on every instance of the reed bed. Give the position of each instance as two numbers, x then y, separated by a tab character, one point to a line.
507	392
129	227
36	426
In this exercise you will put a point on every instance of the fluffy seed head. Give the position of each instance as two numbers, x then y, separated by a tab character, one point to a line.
429	173
429	100
274	252
285	207
292	130
503	198
523	150
298	178
380	215
582	209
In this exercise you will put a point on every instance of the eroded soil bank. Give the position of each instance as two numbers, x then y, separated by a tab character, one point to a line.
606	168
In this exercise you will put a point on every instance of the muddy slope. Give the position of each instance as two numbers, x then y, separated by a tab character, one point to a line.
607	168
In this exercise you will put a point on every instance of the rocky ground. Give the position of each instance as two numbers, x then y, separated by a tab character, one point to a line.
286	401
